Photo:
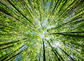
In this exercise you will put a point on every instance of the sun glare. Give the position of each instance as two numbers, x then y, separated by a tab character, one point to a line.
55	44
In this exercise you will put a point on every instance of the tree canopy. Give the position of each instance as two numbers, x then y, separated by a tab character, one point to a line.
41	30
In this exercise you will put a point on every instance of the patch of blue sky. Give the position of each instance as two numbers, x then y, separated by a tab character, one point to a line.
41	26
42	3
7	50
80	19
42	58
32	42
53	5
18	57
66	46
72	45
48	5
74	57
29	6
48	27
35	46
38	55
74	51
12	40
46	21
62	32
71	14
46	45
37	22
20	9
49	1
33	32
24	47
42	35
66	19
80	43
17	38
19	54
34	12
38	18
69	17
75	26
47	8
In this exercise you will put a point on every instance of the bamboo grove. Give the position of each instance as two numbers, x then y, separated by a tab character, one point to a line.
41	30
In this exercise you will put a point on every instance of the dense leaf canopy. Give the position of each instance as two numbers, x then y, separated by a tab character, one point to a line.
41	30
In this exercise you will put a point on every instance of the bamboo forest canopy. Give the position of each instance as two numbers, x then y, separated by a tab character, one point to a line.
41	30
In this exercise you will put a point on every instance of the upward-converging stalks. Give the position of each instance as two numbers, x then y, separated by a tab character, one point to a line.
44	57
41	30
55	52
66	53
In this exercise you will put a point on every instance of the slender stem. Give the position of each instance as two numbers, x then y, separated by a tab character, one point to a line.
6	47
69	35
44	59
10	54
66	53
19	11
55	52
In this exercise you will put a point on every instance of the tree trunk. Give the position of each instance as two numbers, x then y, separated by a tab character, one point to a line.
69	35
11	53
66	54
19	11
6	47
44	59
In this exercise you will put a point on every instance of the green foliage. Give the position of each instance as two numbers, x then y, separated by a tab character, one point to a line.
32	30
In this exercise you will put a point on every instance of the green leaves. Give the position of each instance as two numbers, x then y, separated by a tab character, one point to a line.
25	25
